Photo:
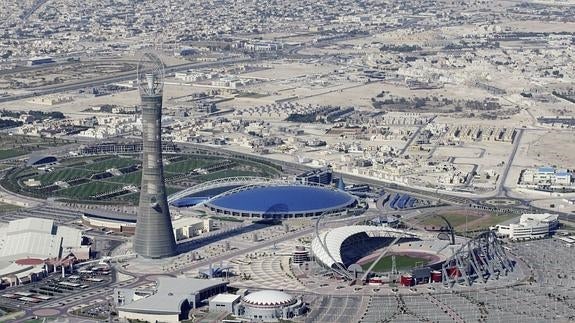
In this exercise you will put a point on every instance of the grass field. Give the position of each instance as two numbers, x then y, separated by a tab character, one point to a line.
135	197
226	173
486	222
63	174
189	165
9	153
16	145
134	178
89	189
402	262
227	218
111	163
455	220
464	219
83	168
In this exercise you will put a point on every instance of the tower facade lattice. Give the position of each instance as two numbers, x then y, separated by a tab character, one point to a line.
154	236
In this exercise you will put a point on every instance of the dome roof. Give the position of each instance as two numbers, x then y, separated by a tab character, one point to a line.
269	297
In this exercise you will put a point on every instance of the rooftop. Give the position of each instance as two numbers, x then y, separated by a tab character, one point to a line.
284	199
225	298
269	297
170	295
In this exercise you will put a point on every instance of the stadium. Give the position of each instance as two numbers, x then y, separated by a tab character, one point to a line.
348	251
268	199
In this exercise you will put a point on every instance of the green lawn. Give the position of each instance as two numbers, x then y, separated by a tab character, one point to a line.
454	219
63	175
87	190
228	173
474	221
226	218
134	178
490	221
172	189
16	145
111	163
251	95
86	166
189	165
9	153
402	262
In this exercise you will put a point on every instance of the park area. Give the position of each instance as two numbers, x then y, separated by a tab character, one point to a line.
116	178
17	145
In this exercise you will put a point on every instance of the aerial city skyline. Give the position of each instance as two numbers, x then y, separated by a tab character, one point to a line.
267	161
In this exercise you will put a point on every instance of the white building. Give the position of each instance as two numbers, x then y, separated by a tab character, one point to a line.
269	306
188	227
530	226
224	303
546	177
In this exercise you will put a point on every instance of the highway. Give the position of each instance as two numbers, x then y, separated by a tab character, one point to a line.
120	77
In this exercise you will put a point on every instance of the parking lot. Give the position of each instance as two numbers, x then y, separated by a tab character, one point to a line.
546	294
53	289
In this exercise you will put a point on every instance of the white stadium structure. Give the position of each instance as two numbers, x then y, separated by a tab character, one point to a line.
340	250
327	249
30	248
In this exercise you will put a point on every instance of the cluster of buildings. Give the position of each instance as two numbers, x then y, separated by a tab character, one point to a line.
97	127
47	31
463	133
184	227
173	299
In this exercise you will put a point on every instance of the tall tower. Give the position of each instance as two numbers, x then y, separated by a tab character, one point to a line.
154	233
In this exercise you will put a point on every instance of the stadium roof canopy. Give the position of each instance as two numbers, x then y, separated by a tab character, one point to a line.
282	199
333	240
39	238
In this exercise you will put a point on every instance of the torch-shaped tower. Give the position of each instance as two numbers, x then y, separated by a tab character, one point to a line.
154	233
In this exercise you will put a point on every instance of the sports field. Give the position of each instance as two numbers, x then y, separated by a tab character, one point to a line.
117	178
402	262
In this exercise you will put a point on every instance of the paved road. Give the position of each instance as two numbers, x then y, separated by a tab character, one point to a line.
114	79
415	135
501	190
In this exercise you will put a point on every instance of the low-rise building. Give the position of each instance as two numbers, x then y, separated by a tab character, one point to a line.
224	303
171	301
530	226
546	178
